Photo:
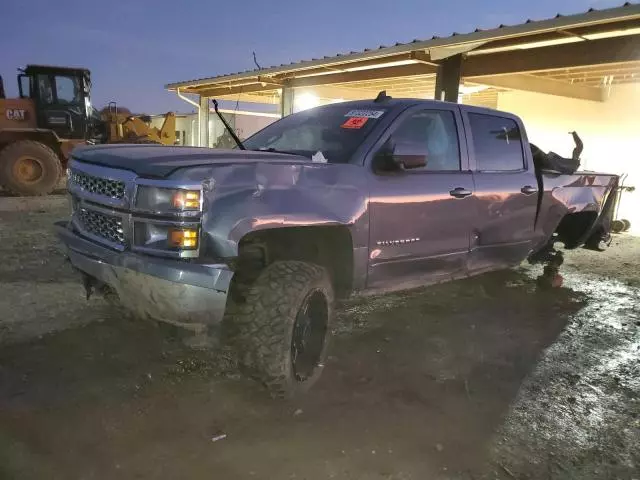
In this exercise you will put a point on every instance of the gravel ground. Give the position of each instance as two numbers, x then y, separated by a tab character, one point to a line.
481	378
40	291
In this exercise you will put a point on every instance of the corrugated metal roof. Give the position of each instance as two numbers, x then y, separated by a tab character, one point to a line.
591	16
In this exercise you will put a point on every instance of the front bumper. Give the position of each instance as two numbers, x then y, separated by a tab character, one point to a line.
186	294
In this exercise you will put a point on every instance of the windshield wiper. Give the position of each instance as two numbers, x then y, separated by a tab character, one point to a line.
227	126
273	150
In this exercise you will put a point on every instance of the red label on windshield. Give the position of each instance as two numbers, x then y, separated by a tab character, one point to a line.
355	122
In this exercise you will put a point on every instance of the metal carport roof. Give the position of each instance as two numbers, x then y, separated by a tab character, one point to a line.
575	55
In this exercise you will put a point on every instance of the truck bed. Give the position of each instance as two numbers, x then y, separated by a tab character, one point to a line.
588	194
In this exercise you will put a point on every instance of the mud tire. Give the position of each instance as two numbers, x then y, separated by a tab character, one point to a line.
48	163
263	325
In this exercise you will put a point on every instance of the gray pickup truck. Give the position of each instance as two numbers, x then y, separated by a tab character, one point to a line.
254	244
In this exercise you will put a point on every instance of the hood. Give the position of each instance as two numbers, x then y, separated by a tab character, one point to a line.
157	161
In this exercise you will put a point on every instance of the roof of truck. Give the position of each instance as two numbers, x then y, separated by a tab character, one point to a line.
402	103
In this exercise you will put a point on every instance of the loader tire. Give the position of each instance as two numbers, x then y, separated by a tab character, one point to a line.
29	168
281	329
627	224
617	226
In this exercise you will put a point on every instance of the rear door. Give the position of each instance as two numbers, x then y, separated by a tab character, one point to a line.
421	218
505	190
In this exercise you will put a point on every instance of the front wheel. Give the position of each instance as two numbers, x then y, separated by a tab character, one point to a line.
28	167
283	325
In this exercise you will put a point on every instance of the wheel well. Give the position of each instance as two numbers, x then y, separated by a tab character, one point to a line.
46	138
574	226
329	247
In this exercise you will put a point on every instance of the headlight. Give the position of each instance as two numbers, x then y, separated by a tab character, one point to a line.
168	200
186	200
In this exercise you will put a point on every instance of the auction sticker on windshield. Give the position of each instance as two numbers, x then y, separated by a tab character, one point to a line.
355	122
365	113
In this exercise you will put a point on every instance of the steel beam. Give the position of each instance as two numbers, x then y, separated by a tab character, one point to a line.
448	79
531	83
364	75
203	122
581	54
223	91
286	101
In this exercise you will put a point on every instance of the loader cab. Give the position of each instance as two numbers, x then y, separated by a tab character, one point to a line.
61	98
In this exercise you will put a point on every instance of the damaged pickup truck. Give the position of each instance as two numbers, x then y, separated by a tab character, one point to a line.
253	245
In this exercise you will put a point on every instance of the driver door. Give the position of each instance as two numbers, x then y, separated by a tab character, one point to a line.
61	105
421	218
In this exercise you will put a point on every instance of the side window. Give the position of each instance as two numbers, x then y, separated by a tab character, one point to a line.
496	143
434	133
67	90
24	85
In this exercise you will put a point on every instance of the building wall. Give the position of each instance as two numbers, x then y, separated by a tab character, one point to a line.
247	125
610	132
187	126
243	125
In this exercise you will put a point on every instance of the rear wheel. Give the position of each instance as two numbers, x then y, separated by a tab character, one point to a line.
28	167
282	326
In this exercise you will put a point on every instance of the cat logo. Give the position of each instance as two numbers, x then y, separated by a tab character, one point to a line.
16	114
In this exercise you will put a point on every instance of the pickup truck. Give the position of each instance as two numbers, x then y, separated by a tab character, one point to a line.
253	245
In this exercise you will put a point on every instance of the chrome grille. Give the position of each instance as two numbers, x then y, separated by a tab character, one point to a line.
100	186
101	225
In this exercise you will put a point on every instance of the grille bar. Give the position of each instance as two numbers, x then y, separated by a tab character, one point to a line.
100	186
105	226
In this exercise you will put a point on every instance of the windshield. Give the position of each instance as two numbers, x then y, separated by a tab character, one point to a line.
326	134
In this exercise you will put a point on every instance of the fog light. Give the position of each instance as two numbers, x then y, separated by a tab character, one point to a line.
186	200
186	238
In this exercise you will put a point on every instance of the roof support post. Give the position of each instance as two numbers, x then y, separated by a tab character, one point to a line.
448	79
203	122
286	101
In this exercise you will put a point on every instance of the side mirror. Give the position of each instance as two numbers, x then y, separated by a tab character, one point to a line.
395	156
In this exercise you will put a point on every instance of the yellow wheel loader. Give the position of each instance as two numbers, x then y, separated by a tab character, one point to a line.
52	115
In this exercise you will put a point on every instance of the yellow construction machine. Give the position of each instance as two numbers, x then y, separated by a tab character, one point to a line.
122	127
52	115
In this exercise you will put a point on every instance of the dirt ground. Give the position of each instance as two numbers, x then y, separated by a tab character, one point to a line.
479	379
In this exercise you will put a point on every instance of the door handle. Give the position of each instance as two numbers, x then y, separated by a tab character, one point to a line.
528	190
460	192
